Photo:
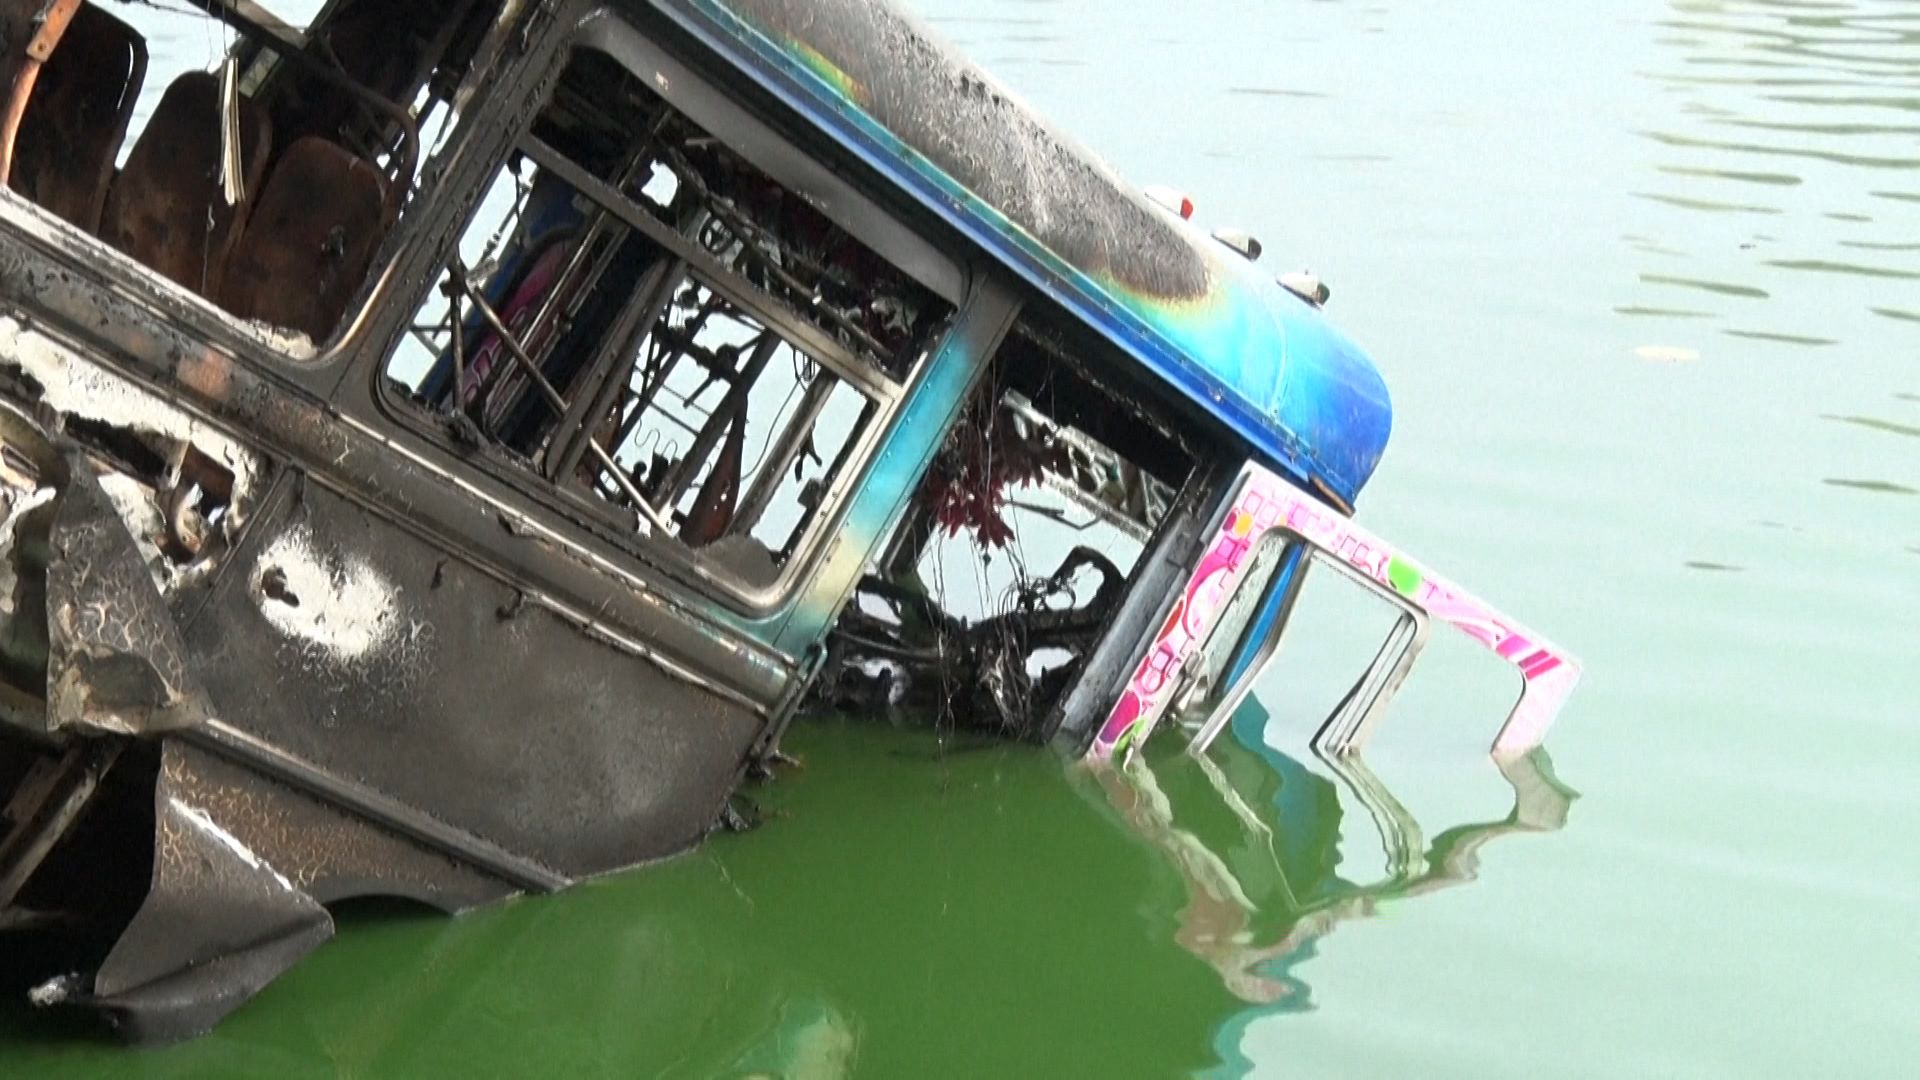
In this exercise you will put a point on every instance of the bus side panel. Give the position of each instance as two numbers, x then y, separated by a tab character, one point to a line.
384	662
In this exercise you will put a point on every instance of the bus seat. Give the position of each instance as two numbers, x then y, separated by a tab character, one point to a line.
73	127
313	233
17	27
166	209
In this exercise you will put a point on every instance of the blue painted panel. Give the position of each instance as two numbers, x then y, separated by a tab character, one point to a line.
1204	321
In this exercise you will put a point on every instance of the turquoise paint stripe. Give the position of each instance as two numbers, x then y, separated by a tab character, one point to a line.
892	477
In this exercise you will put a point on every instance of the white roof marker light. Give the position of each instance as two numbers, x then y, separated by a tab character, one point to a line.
1306	285
1302	283
1248	247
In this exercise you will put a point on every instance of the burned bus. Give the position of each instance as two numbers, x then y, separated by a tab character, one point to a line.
444	445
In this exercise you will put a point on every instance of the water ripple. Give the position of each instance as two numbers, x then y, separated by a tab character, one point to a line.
1780	338
1883	487
1773	179
1876	424
1824	266
1720	287
1814	103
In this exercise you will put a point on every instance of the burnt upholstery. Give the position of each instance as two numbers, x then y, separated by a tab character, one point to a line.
77	119
16	29
166	208
312	235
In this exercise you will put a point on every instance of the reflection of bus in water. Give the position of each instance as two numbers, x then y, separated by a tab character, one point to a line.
1266	847
446	444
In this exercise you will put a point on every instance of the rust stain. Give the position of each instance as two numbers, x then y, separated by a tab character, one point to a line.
208	374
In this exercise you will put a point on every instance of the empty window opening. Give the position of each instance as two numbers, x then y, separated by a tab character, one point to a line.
1017	551
258	157
1300	650
1432	746
646	320
1297	653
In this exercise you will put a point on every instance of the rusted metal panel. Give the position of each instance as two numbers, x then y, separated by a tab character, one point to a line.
373	656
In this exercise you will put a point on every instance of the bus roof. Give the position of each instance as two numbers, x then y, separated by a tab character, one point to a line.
1192	311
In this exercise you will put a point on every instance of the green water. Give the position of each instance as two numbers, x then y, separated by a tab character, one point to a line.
902	910
1645	280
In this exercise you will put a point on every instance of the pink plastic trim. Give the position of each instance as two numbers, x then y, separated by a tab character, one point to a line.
1266	502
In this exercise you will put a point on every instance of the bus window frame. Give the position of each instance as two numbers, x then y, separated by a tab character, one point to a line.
948	277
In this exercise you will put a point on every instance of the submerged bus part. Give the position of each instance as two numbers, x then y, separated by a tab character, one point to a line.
1266	510
138	735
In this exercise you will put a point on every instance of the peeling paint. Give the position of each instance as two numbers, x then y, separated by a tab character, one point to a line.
76	387
34	222
134	502
19	503
336	603
83	392
205	823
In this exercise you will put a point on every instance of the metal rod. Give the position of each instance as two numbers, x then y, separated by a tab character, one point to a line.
731	408
602	224
456	401
774	469
657	286
762	306
40	827
512	344
635	403
741	227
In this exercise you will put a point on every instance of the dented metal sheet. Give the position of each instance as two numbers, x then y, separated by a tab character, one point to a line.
218	924
242	867
115	664
73	386
413	674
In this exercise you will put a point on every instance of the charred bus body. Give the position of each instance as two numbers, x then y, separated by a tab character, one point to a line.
445	446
